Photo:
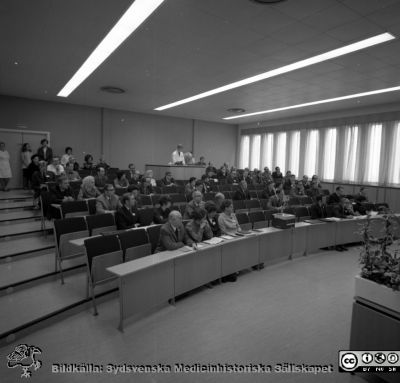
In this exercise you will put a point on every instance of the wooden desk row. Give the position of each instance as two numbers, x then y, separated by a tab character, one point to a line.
151	281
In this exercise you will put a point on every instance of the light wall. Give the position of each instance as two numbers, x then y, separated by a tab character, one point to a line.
122	137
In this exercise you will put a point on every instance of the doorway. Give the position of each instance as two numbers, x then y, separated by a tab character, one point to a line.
14	139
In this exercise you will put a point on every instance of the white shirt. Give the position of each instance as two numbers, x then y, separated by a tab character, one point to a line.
64	159
178	157
56	170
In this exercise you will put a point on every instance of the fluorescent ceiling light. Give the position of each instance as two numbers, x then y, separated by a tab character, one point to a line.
136	14
348	97
288	68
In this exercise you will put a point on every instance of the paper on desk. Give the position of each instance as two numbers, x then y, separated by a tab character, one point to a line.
185	248
213	241
227	236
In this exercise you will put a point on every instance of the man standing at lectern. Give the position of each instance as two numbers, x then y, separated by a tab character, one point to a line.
178	157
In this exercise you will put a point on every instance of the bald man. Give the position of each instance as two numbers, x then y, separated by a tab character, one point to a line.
172	234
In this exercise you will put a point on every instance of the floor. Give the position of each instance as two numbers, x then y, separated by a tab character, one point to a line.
295	312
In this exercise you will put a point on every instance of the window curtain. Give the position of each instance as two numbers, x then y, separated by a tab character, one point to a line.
311	152
267	150
393	158
329	154
294	152
244	152
280	151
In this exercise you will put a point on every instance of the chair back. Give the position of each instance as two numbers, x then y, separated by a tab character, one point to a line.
153	232
74	208
67	229
253	205
130	239
178	199
100	223
146	200
146	216
244	222
102	252
302	213
257	218
294	201
137	252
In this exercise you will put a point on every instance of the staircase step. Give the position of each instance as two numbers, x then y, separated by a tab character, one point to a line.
16	194
17	246
19	215
6	205
23	228
32	268
22	308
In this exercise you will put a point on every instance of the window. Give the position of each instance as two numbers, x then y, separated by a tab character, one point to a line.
244	152
311	154
268	150
280	148
294	153
373	152
329	155
255	152
394	160
350	153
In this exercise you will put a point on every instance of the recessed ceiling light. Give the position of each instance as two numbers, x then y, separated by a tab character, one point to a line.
136	14
112	89
335	99
378	39
236	110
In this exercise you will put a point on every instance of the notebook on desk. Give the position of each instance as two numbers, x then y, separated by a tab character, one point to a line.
213	241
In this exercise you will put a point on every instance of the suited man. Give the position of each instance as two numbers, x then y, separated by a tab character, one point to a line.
318	209
242	193
173	234
127	215
107	201
161	214
335	197
45	153
196	203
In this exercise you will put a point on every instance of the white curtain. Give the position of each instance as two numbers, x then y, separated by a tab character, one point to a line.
329	154
267	152
311	152
280	151
294	152
365	153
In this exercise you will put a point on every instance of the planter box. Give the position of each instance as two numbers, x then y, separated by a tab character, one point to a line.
378	294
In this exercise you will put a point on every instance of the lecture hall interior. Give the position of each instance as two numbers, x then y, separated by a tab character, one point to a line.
200	191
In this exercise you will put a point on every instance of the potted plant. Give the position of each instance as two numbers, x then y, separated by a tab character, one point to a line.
379	280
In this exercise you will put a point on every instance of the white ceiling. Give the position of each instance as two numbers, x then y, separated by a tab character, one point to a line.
191	46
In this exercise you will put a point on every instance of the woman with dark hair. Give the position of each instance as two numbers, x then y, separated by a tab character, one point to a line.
88	164
198	228
227	219
26	154
190	187
32	168
212	218
65	157
121	181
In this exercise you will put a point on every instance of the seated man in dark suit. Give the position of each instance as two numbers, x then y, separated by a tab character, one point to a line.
173	234
242	193
126	216
161	213
107	201
196	203
62	192
277	176
100	180
167	180
335	198
318	209
232	178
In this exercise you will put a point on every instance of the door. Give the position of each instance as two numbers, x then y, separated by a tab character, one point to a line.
14	141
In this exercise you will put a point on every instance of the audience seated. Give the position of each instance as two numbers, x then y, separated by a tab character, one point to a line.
61	192
222	173
227	220
102	163
269	190
146	187
266	176
199	186
318	209
232	177
39	178
256	177
202	161
289	184
70	173
335	197
196	203
66	156
300	189
32	167
88	189
135	192
55	167
173	234
108	201
242	193
167	180
306	183
211	171
205	180
190	187
101	179
219	199
88	162
198	228
121	182
130	174
344	209
212	218
126	215
277	176
161	213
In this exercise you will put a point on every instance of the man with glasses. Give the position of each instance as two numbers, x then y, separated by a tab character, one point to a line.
108	201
